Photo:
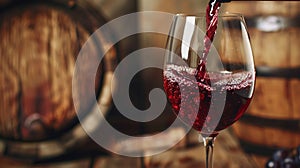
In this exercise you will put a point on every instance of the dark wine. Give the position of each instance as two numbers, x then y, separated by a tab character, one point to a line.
224	94
212	11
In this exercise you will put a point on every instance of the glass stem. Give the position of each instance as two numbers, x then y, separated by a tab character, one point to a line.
209	147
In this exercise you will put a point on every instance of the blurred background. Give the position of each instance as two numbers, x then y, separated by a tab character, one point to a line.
38	123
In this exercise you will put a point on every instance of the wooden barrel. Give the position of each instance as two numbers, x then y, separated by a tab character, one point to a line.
273	119
40	41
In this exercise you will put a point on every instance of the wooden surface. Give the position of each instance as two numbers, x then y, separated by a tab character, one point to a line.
36	71
39	46
187	154
275	98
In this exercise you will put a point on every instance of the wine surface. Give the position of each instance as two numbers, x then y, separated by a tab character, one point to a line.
211	103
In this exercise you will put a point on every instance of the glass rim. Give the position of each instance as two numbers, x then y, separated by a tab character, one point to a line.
202	14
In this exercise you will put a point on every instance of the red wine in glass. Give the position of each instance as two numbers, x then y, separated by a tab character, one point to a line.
214	85
236	89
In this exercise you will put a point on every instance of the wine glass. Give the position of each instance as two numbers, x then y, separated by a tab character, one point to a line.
208	93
